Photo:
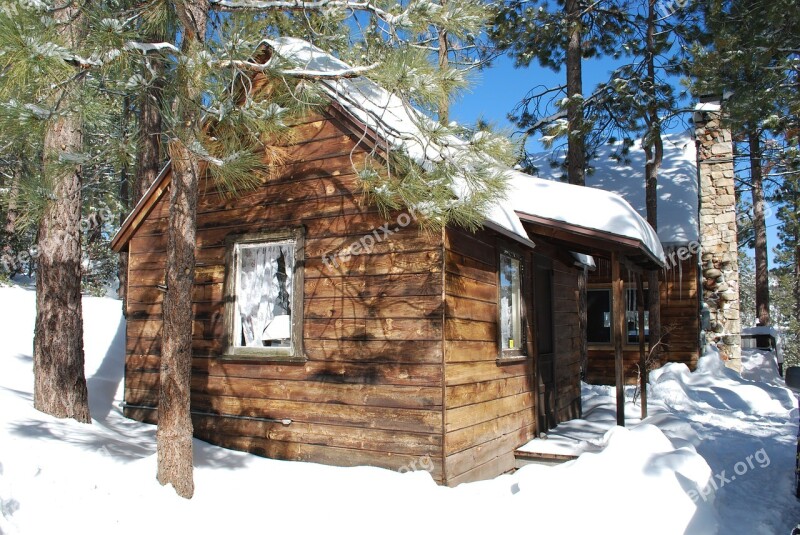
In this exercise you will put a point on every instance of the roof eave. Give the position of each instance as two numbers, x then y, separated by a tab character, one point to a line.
633	248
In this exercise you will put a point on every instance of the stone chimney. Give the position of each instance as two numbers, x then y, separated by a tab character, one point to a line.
719	253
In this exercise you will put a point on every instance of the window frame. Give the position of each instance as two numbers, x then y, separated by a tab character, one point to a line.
277	354
521	351
635	312
607	290
626	342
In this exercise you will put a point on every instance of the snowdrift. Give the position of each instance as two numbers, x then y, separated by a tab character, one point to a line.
100	478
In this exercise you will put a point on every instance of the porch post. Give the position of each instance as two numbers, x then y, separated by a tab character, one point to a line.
617	321
642	355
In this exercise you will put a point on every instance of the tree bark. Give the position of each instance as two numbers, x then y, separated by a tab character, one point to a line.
58	359
444	62
759	226
10	225
174	435
576	144
125	201
654	152
148	157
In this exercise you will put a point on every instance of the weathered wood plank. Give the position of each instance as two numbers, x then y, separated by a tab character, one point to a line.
396	285
458	329
459	286
470	351
471	393
401	397
373	329
374	307
475	435
414	420
466	460
470	309
476	372
476	413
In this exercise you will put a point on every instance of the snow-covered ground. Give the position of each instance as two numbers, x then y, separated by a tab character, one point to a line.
707	429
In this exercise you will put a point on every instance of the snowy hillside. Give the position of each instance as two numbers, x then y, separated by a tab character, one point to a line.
717	454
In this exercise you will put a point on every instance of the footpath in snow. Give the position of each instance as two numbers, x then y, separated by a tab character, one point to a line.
672	473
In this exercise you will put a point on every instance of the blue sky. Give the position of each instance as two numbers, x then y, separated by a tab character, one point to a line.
498	89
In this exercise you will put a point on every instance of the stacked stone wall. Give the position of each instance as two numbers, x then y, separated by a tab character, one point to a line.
719	254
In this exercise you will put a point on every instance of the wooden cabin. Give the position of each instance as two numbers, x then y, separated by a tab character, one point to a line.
326	332
679	233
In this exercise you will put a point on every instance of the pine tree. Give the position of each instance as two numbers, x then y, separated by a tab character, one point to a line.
753	58
561	35
54	100
59	381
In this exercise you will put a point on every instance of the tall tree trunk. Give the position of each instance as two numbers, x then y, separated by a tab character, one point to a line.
444	62
174	436
125	201
148	157
576	144
59	382
654	152
796	289
148	153
759	226
10	225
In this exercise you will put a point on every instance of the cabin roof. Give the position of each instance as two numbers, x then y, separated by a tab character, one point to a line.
677	182
381	113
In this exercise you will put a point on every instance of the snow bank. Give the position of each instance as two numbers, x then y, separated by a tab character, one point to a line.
714	387
100	478
758	365
638	476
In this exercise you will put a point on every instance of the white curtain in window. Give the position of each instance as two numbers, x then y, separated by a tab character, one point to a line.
257	290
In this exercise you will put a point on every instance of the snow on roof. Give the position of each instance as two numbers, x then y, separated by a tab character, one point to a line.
387	115
400	125
585	207
677	183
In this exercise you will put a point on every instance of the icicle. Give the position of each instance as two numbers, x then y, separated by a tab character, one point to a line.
680	280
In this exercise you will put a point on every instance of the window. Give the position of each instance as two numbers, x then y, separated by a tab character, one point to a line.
264	295
598	312
512	342
598	316
632	316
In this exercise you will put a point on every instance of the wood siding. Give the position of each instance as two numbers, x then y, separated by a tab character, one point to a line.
489	406
370	391
680	308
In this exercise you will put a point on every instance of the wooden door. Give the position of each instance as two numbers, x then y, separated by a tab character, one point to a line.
545	342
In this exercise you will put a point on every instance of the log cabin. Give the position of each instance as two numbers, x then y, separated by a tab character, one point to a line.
327	331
